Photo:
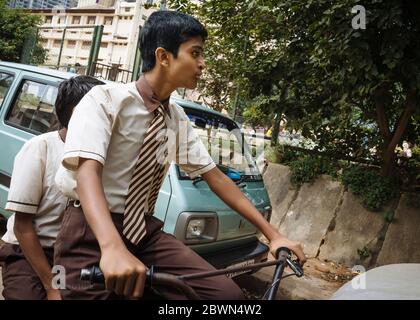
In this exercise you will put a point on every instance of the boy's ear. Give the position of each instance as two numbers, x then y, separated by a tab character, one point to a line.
162	57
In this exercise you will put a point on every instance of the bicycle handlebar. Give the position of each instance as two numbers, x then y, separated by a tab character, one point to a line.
95	275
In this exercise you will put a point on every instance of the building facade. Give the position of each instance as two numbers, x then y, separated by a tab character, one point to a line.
121	23
42	4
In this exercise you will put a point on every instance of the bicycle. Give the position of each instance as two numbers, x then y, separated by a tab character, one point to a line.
283	259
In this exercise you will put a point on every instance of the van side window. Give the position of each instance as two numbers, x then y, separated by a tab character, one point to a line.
5	83
34	107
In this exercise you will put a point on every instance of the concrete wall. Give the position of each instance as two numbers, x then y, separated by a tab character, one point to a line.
402	241
332	224
310	214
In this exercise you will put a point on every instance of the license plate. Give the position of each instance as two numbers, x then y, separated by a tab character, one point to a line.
240	264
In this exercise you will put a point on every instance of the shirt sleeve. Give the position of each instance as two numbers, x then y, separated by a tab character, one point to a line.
89	130
192	156
26	186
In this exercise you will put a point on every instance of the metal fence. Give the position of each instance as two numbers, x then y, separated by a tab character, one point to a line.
112	72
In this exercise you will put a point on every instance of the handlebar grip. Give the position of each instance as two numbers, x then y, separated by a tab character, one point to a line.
94	275
283	252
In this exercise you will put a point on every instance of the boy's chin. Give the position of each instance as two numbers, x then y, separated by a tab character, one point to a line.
191	86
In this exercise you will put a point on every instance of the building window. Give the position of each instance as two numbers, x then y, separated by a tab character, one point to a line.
86	44
104	44
56	43
48	19
127	9
108	20
91	20
76	20
71	44
61	20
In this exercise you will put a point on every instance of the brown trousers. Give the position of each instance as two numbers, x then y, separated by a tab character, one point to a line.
20	281
76	248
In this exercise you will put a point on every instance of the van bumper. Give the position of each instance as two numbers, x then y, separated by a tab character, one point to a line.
256	251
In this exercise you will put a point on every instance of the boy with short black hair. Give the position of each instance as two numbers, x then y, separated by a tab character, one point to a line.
115	142
27	255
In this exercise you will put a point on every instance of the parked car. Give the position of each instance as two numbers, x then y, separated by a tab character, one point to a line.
189	209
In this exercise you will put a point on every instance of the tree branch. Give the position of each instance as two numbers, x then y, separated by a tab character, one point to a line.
383	124
410	106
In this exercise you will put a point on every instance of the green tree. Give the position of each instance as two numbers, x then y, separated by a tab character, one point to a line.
349	90
360	85
17	29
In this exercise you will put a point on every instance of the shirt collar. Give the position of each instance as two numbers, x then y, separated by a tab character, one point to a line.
150	99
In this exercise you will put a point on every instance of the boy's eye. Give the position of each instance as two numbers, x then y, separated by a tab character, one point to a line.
196	54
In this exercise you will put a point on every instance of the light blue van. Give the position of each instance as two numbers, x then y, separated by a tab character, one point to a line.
188	207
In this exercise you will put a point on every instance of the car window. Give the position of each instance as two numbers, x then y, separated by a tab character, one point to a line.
34	107
224	144
5	83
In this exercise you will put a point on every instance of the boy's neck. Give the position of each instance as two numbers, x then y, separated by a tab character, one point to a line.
62	133
161	87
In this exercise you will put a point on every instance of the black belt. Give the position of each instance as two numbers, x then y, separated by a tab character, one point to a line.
73	203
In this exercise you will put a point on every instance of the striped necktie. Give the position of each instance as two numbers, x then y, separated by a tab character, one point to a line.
146	181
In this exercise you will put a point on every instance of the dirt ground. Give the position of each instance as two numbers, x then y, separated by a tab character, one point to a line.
321	279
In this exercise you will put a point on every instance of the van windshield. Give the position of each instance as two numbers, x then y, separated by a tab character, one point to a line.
225	144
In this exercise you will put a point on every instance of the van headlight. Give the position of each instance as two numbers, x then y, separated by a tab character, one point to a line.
197	227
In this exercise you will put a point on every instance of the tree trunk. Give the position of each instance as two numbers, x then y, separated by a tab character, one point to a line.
275	132
279	115
388	165
391	141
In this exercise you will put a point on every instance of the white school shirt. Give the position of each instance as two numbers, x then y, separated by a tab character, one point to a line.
109	125
33	190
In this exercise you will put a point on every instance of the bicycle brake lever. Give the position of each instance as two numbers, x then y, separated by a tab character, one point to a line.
295	266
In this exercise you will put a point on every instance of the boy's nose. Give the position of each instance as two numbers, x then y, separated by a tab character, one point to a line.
201	64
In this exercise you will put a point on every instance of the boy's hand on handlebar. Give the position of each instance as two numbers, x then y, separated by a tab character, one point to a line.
294	246
123	272
53	294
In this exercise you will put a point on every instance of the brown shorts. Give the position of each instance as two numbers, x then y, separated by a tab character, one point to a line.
76	248
20	281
